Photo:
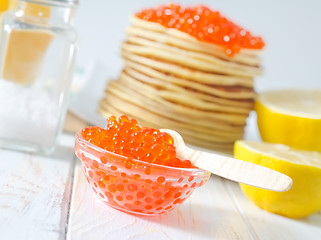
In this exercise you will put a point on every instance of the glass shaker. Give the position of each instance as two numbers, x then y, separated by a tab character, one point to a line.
37	53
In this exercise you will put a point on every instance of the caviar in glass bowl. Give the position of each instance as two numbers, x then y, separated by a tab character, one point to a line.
135	169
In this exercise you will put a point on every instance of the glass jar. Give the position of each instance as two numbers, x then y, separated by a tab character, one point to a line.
37	54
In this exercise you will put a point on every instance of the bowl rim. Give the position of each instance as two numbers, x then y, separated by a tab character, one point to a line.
78	136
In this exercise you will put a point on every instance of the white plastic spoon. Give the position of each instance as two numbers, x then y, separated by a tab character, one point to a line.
231	168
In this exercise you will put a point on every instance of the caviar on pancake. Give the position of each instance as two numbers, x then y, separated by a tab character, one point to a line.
205	25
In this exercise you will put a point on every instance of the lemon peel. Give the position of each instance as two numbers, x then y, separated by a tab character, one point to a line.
290	117
304	197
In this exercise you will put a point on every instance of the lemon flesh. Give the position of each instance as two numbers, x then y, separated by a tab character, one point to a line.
290	117
304	197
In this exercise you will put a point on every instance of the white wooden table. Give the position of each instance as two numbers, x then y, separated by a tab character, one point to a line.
48	198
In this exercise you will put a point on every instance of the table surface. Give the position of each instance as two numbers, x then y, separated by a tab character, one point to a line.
47	197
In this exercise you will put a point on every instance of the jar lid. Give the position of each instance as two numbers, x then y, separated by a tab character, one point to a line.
70	2
76	2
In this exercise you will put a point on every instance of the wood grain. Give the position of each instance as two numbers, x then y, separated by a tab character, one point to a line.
209	213
35	197
35	192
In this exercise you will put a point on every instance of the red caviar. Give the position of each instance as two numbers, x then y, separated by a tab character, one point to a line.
204	24
125	137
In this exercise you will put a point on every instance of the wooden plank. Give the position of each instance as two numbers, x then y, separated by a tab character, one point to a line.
209	213
266	225
35	193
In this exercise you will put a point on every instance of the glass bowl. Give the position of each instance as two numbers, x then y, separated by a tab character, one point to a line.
136	186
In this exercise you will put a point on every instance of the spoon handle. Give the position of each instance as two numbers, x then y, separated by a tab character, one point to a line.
231	168
240	171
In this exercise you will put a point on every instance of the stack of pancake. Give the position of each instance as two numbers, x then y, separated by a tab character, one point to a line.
172	80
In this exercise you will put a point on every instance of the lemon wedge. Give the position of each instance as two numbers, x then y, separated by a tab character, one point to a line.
304	167
4	5
290	117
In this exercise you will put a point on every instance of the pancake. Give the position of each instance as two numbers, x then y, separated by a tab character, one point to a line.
118	95
141	113
188	73
162	37
119	109
197	61
155	27
196	90
172	80
143	84
148	98
223	92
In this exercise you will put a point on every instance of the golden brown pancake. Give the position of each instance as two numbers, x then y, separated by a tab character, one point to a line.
188	73
172	80
197	61
205	46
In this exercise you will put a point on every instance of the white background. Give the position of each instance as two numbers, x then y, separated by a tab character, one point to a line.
291	29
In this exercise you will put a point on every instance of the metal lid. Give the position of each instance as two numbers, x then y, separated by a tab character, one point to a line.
69	2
